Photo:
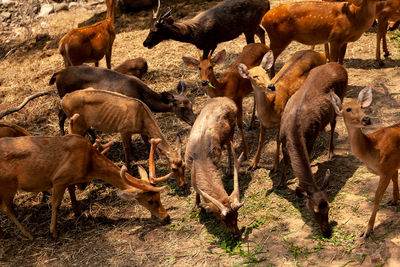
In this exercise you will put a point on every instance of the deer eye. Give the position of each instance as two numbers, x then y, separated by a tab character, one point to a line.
348	109
210	68
150	202
199	68
255	76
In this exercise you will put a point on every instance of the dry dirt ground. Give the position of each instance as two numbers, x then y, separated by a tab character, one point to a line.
277	230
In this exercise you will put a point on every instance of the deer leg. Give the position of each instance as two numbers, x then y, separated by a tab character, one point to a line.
74	202
261	140
229	148
7	208
326	46
197	199
146	142
96	64
395	180
342	52
331	143
108	58
253	115
249	37
261	34
58	193
334	52
285	153
127	143
380	33
92	134
383	36
61	120
240	126
383	184
276	160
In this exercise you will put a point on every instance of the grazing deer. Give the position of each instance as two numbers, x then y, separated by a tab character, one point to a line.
222	23
307	113
379	150
80	77
27	163
134	67
112	112
213	129
91	43
231	84
314	23
271	95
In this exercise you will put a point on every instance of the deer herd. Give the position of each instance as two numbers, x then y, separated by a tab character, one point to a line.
301	99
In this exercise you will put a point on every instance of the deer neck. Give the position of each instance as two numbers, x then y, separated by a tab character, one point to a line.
181	32
265	105
359	142
365	13
215	87
208	179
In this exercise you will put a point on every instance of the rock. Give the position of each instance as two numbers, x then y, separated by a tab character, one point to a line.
45	10
72	5
60	6
44	25
5	15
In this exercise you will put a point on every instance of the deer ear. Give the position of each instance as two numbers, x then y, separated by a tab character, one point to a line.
191	62
219	58
181	88
300	192
169	20
326	180
336	103
243	71
365	97
268	60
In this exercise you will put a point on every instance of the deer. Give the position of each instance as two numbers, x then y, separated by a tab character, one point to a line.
231	84
206	30
8	129
112	112
271	95
378	150
133	67
307	113
80	77
90	43
312	23
213	129
27	163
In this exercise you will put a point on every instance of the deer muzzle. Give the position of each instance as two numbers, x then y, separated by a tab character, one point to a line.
366	121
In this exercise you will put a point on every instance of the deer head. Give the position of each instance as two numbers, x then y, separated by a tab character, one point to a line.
317	203
159	30
352	112
205	66
225	209
258	77
181	104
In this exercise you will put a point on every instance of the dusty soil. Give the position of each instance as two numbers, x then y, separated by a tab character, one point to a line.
277	230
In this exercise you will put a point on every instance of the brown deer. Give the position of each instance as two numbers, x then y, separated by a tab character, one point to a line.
271	95
134	67
314	23
112	112
213	129
231	84
222	23
91	43
80	77
307	113
378	150
27	163
8	129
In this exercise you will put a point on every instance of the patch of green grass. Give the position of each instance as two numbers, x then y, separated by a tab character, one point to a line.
296	251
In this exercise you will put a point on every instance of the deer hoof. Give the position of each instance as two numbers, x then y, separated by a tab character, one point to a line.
364	235
391	203
380	63
386	55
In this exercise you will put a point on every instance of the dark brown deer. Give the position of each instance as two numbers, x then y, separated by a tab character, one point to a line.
214	128
379	150
80	77
112	112
314	23
271	95
222	23
134	67
307	113
27	163
231	84
91	43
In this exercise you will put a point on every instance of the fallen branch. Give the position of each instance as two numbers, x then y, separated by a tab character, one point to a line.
26	100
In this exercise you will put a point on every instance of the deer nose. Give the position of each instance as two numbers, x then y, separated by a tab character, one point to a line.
167	220
204	83
366	121
271	87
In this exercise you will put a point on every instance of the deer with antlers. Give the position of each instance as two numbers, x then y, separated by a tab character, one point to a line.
312	23
231	84
379	150
91	43
27	163
213	129
112	112
271	95
222	23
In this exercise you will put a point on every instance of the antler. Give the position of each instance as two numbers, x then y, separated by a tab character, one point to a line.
166	13
102	148
153	180
138	183
235	193
219	205
155	14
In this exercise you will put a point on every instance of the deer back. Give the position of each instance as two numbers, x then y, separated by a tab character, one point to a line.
8	129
